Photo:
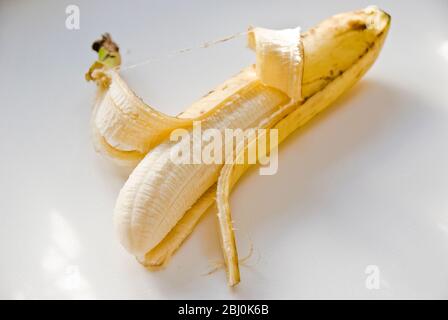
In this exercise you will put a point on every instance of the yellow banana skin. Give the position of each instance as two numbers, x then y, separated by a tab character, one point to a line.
162	202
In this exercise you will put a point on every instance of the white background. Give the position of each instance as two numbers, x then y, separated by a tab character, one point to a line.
365	184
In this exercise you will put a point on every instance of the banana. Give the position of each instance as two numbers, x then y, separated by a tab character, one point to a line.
162	201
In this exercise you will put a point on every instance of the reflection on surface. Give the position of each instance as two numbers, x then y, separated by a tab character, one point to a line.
63	236
443	224
58	261
443	50
443	227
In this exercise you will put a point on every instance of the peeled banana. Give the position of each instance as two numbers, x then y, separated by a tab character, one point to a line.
295	77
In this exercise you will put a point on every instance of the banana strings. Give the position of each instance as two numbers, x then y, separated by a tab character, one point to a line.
175	53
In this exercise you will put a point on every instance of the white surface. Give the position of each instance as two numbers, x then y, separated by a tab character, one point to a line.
366	184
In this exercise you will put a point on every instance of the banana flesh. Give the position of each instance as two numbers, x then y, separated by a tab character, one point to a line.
162	202
159	191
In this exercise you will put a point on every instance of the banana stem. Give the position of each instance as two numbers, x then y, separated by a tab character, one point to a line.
108	57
